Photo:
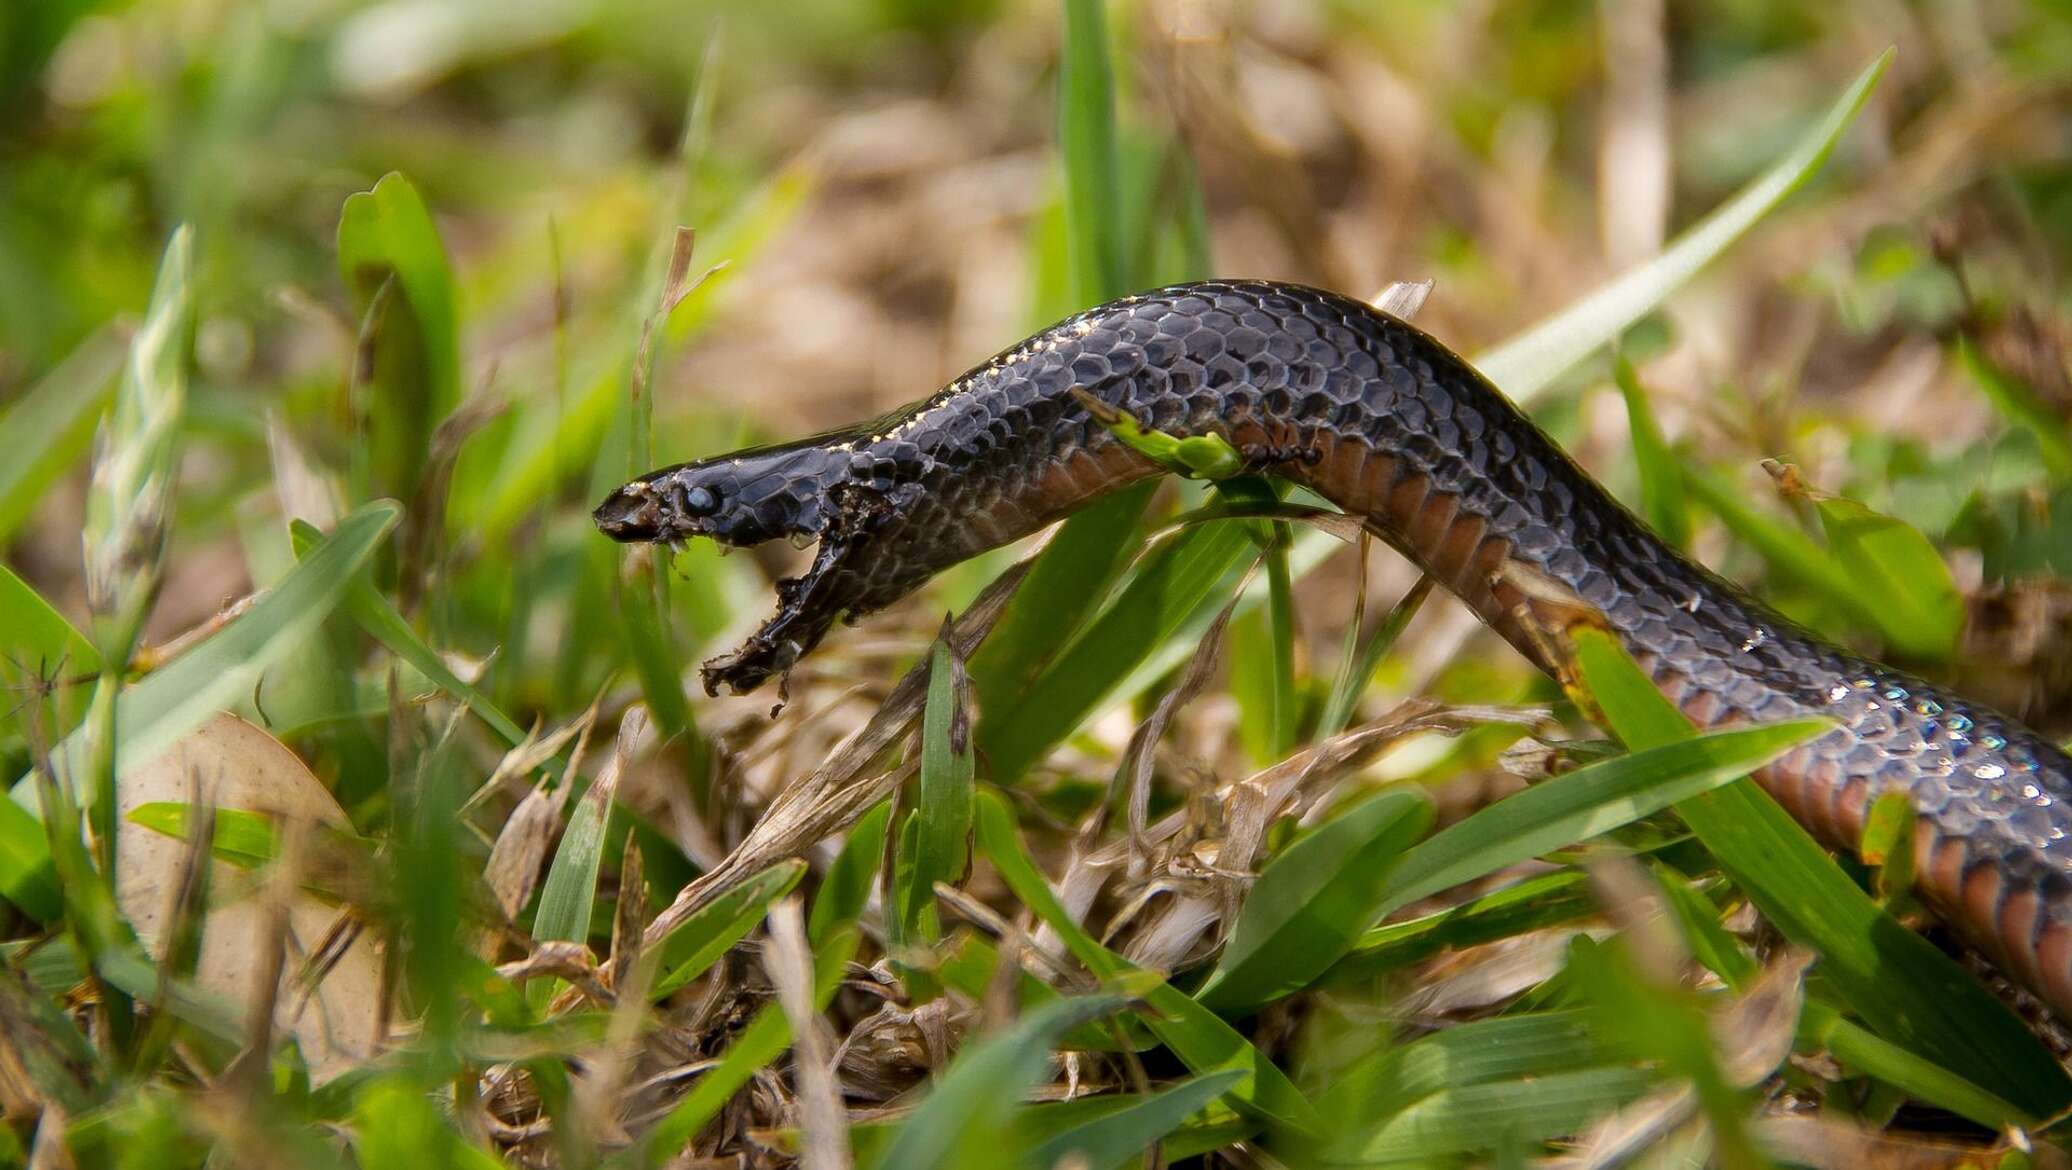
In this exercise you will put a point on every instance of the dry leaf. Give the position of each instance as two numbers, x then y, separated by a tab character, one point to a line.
245	768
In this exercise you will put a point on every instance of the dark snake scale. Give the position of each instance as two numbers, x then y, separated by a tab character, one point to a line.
1391	426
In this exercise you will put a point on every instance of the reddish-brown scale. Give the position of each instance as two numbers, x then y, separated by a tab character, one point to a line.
1455	555
2019	916
1406	500
2054	958
1983	886
1849	807
1702	708
1942	878
1428	528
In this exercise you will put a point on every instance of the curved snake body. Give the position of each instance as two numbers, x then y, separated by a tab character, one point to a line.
1391	426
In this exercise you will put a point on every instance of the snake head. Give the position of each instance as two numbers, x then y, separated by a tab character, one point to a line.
739	499
803	491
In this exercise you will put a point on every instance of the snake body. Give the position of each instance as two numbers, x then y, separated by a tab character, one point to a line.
1391	426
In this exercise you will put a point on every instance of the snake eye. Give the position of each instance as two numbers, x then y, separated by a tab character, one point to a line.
701	501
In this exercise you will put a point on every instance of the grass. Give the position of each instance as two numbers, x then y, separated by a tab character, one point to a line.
1211	843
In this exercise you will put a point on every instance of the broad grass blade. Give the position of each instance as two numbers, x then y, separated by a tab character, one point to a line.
1313	900
386	238
1176	582
1584	803
1905	988
1478	1053
1528	363
1535	903
846	889
1898	574
1108	1143
50	427
692	949
1466	1118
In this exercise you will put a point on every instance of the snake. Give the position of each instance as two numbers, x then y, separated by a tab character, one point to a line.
1389	425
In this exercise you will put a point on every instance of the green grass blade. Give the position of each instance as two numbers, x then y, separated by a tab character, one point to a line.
1478	1053
242	838
1086	142
846	889
1109	1142
1535	903
1906	989
1584	803
692	949
175	700
1465	1118
942	840
2015	401
1069	578
1802	559
1360	659
1661	476
35	636
51	426
378	616
1286	702
1897	572
387	235
1177	581
382	621
901	936
959	1123
1262	661
1311	902
1196	1035
1823	1027
1529	362
1710	942
569	895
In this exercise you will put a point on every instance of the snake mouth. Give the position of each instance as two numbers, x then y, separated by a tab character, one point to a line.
634	513
626	527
